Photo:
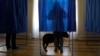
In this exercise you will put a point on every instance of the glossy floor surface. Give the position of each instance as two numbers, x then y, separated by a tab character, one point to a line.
80	48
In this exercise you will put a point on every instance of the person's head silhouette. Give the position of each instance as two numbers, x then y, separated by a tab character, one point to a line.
56	12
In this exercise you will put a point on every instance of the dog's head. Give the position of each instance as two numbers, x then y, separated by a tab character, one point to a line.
66	35
63	34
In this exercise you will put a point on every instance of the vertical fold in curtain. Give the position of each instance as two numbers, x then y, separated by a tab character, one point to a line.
57	15
13	16
92	21
72	16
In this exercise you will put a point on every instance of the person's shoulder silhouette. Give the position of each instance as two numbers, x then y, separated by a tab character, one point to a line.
57	12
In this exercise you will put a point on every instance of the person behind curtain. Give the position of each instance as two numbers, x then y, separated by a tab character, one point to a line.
58	41
57	14
11	41
13	20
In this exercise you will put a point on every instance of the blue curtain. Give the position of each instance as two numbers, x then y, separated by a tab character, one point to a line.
57	15
13	16
92	21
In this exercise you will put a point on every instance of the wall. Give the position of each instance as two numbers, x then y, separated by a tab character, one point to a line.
30	10
81	17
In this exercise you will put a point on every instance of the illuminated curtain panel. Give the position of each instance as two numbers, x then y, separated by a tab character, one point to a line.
92	21
13	16
57	15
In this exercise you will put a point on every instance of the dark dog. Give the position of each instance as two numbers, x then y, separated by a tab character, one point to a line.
55	37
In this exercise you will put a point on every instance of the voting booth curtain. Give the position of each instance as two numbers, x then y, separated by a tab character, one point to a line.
57	15
92	20
13	16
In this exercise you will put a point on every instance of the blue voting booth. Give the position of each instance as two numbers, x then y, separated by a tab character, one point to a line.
57	15
13	16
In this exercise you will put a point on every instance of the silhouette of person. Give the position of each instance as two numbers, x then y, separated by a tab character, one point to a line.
57	14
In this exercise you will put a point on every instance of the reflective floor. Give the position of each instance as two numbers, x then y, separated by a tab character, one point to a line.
81	48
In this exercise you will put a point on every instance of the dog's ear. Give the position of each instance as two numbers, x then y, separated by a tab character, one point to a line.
67	35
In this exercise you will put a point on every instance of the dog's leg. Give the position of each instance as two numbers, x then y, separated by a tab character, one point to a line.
46	47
